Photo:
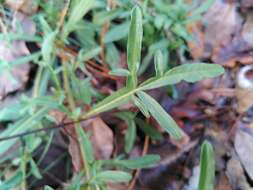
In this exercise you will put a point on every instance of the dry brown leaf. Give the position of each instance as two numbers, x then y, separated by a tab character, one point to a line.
12	51
236	175
244	148
101	138
223	183
218	36
26	6
222	21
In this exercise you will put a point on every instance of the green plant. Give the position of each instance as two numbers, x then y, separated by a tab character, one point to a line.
33	112
207	167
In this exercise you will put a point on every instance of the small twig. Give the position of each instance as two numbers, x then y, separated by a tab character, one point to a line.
61	125
63	14
137	172
99	73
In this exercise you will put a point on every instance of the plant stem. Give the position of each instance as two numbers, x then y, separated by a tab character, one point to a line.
72	107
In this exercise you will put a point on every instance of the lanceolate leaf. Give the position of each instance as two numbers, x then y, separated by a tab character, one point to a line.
187	72
161	116
113	176
79	9
142	107
159	65
134	45
148	129
130	136
116	99
19	127
207	167
86	147
140	162
119	72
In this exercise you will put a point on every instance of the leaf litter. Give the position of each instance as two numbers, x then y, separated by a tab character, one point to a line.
213	108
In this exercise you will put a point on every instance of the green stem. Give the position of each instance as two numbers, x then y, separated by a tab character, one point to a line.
54	77
72	107
97	110
23	168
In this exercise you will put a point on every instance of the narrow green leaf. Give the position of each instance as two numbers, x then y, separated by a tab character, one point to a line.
187	72
161	116
101	17
113	176
12	181
34	169
120	72
86	147
47	47
140	162
86	55
142	107
130	136
79	9
148	129
11	112
20	36
19	127
134	45
203	7
207	167
112	55
117	32
159	65
115	100
181	31
48	188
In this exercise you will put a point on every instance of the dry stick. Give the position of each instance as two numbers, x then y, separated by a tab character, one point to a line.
98	73
103	71
137	172
61	125
104	30
63	14
102	44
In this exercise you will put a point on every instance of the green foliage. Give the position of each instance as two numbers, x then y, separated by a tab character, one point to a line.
136	163
112	176
134	46
207	167
161	116
58	85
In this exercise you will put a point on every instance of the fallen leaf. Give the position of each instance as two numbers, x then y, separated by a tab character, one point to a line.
223	183
15	78
244	147
101	138
26	6
236	175
209	41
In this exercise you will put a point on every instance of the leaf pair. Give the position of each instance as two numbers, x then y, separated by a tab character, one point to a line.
135	93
